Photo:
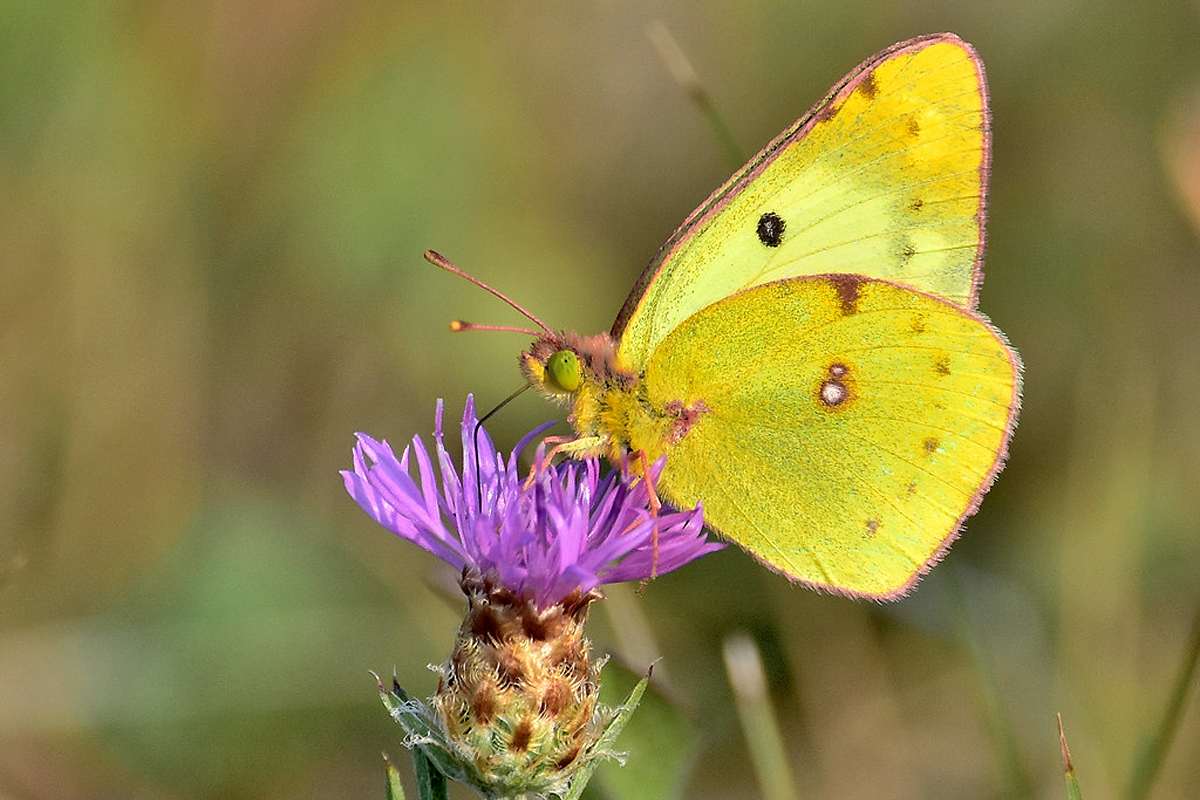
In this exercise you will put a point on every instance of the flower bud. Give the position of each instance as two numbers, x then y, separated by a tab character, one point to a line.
518	696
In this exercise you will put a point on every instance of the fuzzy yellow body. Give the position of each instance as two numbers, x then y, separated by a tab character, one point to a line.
619	420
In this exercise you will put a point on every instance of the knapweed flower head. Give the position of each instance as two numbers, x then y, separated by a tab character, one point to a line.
570	530
516	710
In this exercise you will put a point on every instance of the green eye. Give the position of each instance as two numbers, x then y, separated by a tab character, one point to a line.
564	372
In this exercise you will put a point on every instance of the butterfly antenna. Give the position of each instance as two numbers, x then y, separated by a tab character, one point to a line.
460	325
475	439
440	261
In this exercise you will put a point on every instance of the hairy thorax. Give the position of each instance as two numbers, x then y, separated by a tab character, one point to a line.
610	410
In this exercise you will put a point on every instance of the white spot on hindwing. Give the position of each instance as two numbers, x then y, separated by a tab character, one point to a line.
832	393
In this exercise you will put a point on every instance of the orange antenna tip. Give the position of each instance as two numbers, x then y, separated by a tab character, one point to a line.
457	325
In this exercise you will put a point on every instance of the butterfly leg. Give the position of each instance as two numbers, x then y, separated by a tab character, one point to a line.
655	508
578	447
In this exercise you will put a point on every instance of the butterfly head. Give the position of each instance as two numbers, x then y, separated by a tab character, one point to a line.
553	366
563	364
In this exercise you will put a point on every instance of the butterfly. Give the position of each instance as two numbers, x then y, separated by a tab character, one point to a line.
805	348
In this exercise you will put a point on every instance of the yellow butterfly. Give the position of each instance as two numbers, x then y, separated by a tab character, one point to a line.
804	349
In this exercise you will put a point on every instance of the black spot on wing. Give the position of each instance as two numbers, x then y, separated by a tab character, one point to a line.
770	229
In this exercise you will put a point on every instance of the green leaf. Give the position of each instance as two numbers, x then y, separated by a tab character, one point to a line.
431	783
399	705
395	791
608	739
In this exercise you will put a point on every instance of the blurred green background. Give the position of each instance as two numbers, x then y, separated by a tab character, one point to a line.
212	220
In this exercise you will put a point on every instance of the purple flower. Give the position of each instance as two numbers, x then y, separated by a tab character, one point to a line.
570	530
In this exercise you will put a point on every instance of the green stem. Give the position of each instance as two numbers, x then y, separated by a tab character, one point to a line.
720	128
1004	740
431	784
759	725
681	69
1154	749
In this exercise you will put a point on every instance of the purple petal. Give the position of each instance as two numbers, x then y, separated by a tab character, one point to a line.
569	530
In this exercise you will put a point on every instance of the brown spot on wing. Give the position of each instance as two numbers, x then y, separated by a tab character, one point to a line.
868	86
942	366
912	487
914	127
916	204
931	445
847	287
918	323
827	113
872	527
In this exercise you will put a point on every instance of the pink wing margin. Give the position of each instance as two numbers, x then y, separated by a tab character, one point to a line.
798	130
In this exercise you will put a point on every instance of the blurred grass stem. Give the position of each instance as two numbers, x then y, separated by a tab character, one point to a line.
681	69
1153	750
1004	739
759	724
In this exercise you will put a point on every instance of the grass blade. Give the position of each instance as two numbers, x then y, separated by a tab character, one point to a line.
395	790
1073	790
681	69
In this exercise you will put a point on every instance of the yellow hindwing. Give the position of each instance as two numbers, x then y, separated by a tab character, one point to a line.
844	435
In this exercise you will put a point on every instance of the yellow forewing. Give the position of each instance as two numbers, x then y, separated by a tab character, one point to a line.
885	178
843	436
